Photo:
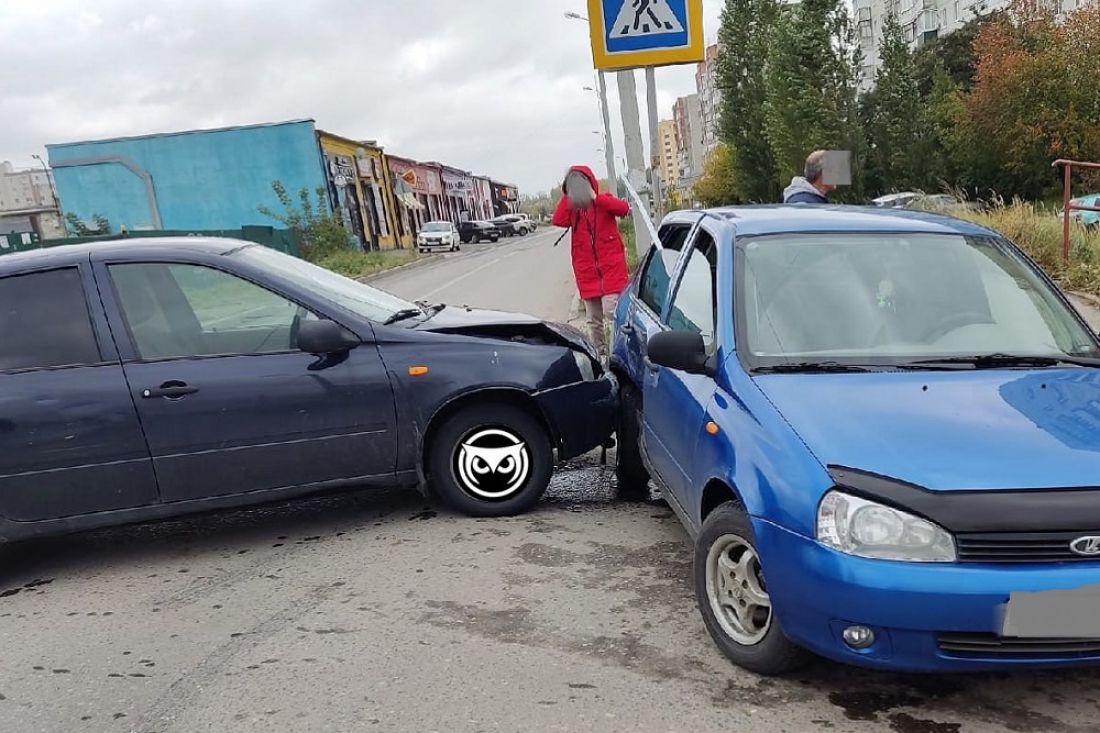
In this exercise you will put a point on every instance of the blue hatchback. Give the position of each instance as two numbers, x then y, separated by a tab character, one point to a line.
882	429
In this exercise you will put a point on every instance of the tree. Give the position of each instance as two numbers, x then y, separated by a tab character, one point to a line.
79	228
897	149
1036	97
320	231
811	87
743	41
953	53
717	185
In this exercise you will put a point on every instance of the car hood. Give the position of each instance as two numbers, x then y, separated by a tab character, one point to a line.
505	326
1003	429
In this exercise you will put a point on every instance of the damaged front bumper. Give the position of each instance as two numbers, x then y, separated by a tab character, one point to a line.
582	415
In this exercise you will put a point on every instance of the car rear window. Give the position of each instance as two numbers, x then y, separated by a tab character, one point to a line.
44	321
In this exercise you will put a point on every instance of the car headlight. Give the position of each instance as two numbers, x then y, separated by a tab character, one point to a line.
584	364
868	529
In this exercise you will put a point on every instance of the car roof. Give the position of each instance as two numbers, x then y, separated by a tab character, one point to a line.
808	218
146	246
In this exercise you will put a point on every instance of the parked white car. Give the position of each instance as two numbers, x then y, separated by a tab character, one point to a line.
438	235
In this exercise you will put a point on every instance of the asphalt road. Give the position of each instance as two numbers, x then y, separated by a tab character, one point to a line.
375	611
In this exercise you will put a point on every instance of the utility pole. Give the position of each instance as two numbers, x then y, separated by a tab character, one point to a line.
654	143
635	154
608	143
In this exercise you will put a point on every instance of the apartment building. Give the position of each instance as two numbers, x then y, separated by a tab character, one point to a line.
687	117
921	21
668	155
710	97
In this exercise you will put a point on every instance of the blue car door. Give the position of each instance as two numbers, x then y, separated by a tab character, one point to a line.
648	298
70	442
228	403
675	402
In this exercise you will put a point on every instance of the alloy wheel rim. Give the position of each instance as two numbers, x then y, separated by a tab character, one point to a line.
736	590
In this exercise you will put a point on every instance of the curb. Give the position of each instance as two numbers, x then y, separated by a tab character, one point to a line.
420	261
1089	298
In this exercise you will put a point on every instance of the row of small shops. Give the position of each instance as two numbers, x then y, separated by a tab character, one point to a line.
217	180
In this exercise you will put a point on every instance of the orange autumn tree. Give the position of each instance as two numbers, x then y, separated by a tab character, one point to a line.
1036	97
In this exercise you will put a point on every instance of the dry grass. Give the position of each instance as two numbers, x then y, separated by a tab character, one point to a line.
1038	231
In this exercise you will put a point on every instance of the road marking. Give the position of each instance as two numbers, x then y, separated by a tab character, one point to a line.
467	275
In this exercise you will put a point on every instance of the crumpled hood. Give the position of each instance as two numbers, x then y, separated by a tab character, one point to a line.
506	326
799	185
995	429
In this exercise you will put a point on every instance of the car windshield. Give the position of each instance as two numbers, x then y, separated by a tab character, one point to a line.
437	226
356	297
893	299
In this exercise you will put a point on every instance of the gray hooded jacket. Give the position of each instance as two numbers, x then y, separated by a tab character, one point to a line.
802	191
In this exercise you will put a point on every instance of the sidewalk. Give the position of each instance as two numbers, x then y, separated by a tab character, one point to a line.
1089	308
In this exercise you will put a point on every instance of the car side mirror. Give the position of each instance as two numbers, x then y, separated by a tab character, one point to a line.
683	351
325	337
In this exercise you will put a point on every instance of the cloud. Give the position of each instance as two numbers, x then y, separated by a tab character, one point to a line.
495	86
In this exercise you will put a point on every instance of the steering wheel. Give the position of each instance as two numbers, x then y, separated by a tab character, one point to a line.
950	322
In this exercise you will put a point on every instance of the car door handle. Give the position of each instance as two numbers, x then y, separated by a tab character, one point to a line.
626	329
169	391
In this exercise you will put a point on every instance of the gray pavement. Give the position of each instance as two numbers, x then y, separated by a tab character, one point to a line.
375	611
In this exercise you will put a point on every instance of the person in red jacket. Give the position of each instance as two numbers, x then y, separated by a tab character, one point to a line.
599	257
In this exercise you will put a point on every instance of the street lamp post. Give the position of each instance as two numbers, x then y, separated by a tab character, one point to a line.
49	182
605	113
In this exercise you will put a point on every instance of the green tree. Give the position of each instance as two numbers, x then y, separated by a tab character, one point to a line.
716	187
743	41
77	227
321	232
897	146
953	53
811	87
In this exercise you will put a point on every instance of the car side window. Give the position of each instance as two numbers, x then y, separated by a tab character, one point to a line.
179	311
695	305
657	272
44	321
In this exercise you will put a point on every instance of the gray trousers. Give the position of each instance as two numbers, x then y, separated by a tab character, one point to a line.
600	311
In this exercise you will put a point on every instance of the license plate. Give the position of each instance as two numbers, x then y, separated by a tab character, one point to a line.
1053	614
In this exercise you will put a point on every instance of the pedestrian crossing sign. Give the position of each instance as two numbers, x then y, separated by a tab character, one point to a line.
628	34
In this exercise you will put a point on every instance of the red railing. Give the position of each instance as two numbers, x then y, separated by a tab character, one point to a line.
1068	207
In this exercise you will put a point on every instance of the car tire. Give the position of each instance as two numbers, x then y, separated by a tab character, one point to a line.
747	637
631	475
455	474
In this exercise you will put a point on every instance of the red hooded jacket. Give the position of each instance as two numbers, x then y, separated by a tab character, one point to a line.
599	257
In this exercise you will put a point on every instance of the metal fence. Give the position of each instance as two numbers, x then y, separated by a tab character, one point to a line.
282	240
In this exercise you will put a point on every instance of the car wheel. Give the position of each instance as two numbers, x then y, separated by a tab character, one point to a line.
490	460
630	471
732	595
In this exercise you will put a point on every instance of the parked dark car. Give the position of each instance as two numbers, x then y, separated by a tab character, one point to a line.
506	226
477	231
152	378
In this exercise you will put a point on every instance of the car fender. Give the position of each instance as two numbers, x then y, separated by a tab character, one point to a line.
759	456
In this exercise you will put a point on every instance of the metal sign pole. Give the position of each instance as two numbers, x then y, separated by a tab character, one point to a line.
635	155
608	142
654	142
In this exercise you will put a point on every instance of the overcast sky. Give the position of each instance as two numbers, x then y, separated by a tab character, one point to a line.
494	86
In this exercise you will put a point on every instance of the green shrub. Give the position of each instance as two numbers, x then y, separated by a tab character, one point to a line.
355	264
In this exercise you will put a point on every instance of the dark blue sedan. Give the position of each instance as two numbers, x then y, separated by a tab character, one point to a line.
152	378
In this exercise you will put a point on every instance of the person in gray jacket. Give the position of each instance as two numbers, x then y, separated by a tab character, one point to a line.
811	188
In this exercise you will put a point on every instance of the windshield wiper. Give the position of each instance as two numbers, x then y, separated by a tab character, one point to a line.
403	315
808	367
998	361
